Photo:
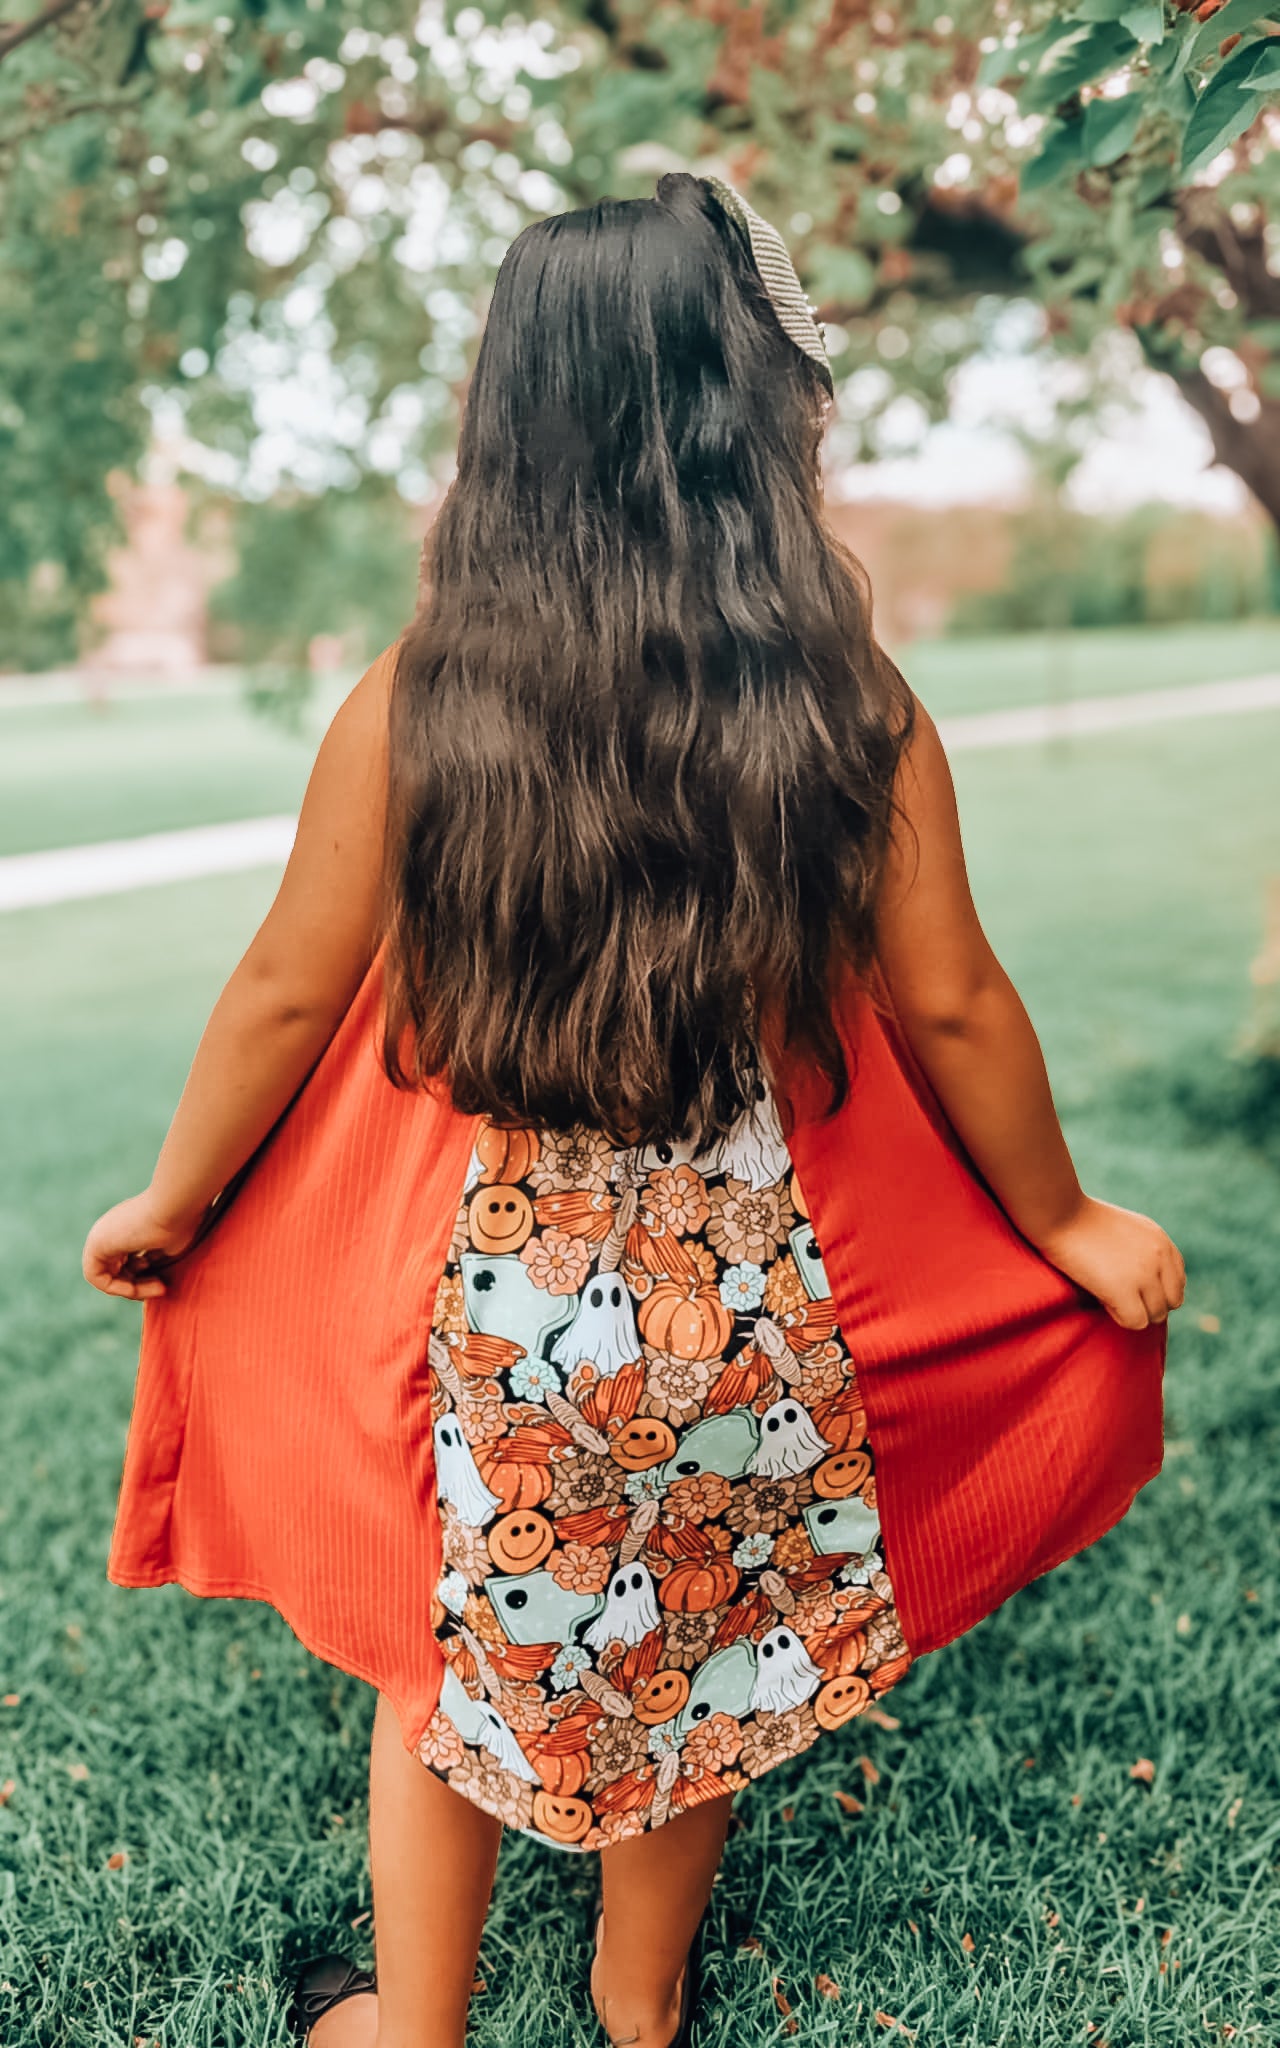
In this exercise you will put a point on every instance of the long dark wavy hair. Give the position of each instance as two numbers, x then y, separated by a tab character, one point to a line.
643	742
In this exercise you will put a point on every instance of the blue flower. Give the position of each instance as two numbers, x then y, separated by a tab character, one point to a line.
569	1666
742	1287
664	1741
753	1552
642	1486
452	1591
532	1379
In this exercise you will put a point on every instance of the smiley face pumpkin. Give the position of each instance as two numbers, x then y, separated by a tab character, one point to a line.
642	1443
840	1699
564	1820
840	1476
661	1698
520	1541
499	1219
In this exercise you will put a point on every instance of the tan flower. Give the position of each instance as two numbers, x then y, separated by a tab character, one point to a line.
748	1223
463	1548
825	1373
580	1159
581	1480
580	1568
792	1549
499	1792
479	1617
618	1747
700	1497
783	1288
771	1738
523	1707
677	1197
676	1388
768	1504
450	1312
815	1609
619	1827
479	1410
688	1638
441	1745
714	1744
556	1261
884	1640
460	1237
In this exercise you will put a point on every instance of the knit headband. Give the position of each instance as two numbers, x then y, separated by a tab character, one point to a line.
777	273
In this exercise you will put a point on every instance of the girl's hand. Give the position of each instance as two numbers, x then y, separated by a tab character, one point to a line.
129	1243
1125	1259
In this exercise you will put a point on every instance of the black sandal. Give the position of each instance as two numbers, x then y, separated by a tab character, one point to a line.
689	1988
321	1984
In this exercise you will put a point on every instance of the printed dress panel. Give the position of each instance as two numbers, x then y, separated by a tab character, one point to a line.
662	1564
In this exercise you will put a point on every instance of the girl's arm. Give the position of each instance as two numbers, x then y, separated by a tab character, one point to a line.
281	1006
967	1027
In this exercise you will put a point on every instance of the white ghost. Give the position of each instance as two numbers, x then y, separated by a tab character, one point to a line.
755	1150
458	1476
789	1442
785	1672
630	1609
475	1167
479	1723
603	1330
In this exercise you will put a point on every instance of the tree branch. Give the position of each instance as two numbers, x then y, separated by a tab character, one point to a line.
22	31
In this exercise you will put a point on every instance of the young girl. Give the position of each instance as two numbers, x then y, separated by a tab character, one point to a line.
620	1062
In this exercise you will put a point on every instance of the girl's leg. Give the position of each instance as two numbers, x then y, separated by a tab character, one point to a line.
432	1855
656	1887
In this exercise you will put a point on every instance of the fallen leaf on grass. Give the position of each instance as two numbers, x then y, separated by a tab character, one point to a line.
788	1813
359	1919
117	1860
78	1771
478	1985
11	1699
790	2024
912	1925
848	1803
1209	1324
1233	1812
7	1790
881	1719
869	1771
1182	1626
826	1985
1144	1770
752	1946
886	2019
968	1944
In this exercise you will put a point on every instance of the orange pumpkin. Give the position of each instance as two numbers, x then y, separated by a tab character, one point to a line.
561	1758
842	1420
840	1654
518	1482
506	1154
688	1320
694	1587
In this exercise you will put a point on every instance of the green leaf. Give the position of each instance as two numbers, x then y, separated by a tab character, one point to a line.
1265	75
1109	128
1224	109
1100	49
843	275
1145	22
1100	10
1062	151
1232	20
1020	60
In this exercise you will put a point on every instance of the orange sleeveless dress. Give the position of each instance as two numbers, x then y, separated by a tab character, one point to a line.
623	1476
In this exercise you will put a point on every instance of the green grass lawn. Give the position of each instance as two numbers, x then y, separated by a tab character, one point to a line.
70	774
1008	1881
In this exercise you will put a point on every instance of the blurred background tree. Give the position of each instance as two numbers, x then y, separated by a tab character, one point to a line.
212	205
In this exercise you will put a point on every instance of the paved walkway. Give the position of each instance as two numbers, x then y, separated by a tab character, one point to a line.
115	865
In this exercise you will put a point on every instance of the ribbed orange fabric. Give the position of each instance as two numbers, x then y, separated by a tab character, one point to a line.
280	1444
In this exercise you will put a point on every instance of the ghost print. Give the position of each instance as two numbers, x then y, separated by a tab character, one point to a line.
755	1150
603	1330
786	1674
458	1478
789	1441
630	1609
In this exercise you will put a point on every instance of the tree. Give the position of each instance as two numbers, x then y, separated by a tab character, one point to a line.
202	194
